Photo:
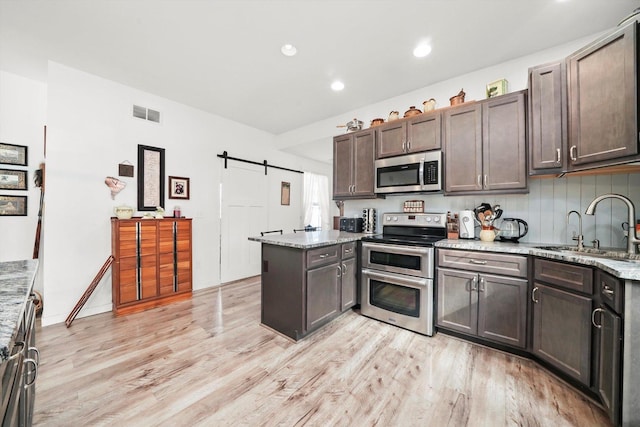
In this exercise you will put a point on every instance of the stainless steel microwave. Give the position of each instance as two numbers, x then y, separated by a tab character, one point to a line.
419	172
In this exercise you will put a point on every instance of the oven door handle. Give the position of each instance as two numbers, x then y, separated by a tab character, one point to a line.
395	249
396	278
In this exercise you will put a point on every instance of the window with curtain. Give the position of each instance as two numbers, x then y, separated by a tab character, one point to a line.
316	201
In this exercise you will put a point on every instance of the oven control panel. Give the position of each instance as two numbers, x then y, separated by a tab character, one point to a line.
415	219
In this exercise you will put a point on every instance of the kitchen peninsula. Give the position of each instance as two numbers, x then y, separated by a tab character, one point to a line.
308	279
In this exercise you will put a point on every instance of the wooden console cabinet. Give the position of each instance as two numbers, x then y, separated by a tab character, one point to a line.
152	262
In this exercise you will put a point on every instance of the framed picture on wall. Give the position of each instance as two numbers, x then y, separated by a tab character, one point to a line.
285	193
13	179
150	178
11	154
178	187
13	205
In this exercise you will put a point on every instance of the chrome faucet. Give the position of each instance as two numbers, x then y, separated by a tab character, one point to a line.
579	237
632	239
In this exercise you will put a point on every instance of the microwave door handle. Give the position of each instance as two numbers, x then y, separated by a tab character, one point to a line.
422	183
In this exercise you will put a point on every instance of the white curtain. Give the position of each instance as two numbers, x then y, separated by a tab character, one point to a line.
316	201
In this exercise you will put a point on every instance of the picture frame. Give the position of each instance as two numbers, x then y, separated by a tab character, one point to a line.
178	187
497	88
285	193
150	178
11	154
11	179
13	205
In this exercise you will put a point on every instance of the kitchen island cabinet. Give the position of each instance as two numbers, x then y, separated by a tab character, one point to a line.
308	279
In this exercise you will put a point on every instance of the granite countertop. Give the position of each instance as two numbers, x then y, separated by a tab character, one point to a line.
621	268
309	239
16	283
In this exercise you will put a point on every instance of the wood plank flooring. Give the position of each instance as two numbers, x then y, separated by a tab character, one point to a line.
208	362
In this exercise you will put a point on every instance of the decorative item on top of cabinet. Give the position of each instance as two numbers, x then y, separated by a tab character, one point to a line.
153	262
548	119
458	99
353	165
603	101
485	146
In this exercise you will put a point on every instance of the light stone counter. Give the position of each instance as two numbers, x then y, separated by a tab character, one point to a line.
622	268
16	284
309	239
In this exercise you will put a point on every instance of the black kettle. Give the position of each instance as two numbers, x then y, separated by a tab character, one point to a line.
513	229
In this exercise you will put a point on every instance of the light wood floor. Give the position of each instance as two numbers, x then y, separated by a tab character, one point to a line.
208	362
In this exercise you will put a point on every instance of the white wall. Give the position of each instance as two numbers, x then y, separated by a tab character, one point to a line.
90	131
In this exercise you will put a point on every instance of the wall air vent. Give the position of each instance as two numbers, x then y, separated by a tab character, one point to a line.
146	114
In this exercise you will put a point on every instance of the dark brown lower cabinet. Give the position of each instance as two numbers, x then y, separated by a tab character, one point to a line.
302	290
608	339
562	330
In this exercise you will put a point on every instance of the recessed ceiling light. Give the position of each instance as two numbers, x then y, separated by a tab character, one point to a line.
422	50
288	50
337	85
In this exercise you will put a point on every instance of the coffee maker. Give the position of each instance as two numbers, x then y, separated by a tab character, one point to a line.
369	220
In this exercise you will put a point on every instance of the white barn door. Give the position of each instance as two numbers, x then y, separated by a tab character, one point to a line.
244	214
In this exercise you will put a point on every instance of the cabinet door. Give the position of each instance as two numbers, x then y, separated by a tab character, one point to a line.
183	256
502	309
126	262
562	331
148	259
547	118
463	148
342	165
363	166
609	363
323	294
603	121
424	132
166	249
349	284
457	301
504	153
391	139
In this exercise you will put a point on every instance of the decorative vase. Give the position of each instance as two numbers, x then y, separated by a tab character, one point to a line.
487	234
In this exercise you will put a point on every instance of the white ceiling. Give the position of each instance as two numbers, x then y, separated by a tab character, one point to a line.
224	56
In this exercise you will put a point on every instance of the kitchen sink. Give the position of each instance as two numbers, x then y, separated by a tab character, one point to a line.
613	254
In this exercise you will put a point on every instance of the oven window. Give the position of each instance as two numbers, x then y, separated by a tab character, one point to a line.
395	298
411	262
402	175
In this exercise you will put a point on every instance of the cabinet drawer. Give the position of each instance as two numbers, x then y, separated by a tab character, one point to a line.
610	289
483	262
322	256
568	276
348	250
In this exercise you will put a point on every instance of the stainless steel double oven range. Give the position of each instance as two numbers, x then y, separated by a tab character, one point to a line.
398	270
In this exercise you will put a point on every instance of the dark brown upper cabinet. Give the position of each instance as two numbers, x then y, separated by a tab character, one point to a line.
353	165
603	101
548	119
418	133
485	146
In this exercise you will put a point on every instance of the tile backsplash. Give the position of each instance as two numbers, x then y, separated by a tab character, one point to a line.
544	208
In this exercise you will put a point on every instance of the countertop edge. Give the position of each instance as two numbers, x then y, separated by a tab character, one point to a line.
310	239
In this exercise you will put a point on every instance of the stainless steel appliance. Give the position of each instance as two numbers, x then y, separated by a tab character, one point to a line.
420	172
513	229
398	270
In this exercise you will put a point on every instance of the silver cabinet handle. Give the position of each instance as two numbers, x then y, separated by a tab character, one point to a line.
593	317
17	344
558	155
475	261
481	289
606	289
474	284
404	146
348	251
572	153
323	256
479	181
485	181
339	271
408	146
533	295
35	372
344	269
